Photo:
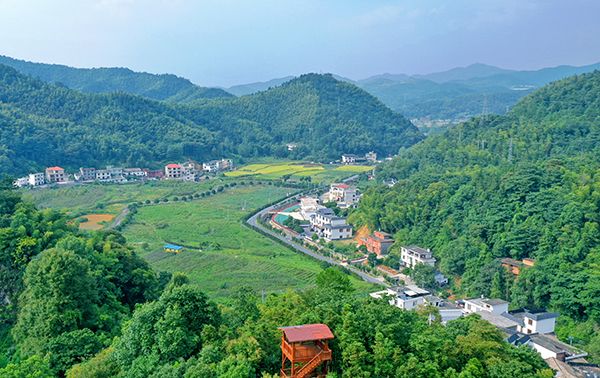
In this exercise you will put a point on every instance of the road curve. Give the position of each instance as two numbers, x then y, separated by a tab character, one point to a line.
253	221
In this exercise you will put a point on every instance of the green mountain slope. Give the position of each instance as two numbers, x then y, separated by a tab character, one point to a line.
44	124
522	185
462	92
107	80
325	117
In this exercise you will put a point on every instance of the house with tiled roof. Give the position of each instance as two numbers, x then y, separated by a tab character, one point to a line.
55	174
173	171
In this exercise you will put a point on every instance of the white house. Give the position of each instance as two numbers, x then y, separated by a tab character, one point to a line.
308	206
37	179
344	194
548	346
326	224
533	321
211	166
410	297
412	255
349	158
21	182
495	306
371	157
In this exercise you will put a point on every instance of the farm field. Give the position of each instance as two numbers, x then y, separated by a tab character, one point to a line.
222	254
297	170
95	221
110	198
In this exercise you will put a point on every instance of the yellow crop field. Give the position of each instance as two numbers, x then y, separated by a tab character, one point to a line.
317	172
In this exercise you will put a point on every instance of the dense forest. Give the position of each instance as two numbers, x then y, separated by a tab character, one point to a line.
526	184
84	305
164	87
44	124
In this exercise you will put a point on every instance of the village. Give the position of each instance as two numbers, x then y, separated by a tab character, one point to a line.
188	171
316	221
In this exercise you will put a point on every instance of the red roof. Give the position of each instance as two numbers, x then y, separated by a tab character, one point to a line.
54	169
342	186
307	332
173	166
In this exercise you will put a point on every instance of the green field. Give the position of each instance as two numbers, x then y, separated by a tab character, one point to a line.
110	198
245	257
297	170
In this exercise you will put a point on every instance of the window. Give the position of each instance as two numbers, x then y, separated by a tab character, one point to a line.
529	321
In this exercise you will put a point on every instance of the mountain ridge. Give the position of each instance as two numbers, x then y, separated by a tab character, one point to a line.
164	87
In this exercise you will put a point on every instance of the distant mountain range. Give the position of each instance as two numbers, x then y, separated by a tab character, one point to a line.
451	95
455	94
165	87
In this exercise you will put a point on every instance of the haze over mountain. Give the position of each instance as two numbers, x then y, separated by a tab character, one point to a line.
453	95
45	124
115	79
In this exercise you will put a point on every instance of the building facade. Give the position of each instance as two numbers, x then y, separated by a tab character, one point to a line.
412	255
37	179
378	243
173	171
55	174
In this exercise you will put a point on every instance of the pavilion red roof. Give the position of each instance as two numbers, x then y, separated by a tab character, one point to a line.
173	165
54	169
307	332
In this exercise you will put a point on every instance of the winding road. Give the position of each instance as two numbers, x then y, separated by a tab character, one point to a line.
253	222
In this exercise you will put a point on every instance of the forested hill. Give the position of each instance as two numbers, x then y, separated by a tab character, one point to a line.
559	120
43	124
322	115
107	80
472	198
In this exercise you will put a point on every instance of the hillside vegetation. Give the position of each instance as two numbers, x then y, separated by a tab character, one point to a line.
522	185
462	92
44	124
166	87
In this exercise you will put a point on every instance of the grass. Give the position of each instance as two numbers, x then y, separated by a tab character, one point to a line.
297	170
245	257
110	198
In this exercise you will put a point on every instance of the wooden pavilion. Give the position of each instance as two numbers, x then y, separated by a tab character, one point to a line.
305	351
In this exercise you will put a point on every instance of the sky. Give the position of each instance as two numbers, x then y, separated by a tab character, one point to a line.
227	42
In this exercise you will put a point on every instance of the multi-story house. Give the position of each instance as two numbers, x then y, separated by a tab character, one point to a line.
55	174
173	171
134	172
413	255
103	175
378	243
371	157
329	226
344	194
86	174
37	179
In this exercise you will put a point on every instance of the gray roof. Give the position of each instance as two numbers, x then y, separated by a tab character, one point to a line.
551	343
499	321
417	249
533	314
487	301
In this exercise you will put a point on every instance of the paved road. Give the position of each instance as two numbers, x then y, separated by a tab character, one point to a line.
253	221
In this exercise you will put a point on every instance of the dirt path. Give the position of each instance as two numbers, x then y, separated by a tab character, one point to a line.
119	218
